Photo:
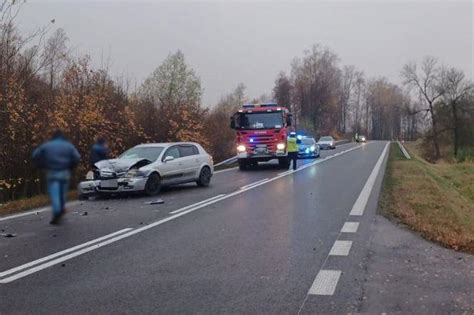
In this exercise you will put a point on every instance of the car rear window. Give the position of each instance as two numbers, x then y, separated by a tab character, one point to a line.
187	150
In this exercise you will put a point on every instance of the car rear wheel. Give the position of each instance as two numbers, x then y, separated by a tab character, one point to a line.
204	177
153	184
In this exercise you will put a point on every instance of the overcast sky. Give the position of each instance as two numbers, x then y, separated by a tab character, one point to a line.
250	42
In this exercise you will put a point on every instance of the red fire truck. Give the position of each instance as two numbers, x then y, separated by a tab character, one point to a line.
262	131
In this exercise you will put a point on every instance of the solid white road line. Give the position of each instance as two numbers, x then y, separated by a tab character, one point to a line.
181	212
325	282
38	261
350	227
197	203
340	248
39	210
226	170
253	184
361	202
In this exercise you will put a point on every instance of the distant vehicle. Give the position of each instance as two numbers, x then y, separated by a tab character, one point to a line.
308	148
327	142
361	138
148	167
261	134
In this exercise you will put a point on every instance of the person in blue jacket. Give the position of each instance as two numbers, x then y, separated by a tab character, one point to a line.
99	151
58	157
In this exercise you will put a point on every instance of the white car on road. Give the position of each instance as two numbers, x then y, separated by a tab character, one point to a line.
327	142
148	167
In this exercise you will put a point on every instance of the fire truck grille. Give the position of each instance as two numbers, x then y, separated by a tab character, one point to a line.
268	140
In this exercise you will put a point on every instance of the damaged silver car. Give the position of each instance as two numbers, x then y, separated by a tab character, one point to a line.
148	167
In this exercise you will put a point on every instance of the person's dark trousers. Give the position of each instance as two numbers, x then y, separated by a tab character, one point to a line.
293	156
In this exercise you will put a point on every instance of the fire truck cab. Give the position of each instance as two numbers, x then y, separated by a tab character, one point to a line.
261	134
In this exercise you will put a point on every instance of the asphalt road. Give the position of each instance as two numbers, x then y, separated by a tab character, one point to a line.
261	241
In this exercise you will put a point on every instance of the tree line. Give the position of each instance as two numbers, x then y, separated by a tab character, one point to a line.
45	86
434	101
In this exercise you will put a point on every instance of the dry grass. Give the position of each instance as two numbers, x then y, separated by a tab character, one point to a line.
29	203
436	200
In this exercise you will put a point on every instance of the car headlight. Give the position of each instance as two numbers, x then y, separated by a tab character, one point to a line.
280	146
312	148
134	173
331	144
241	148
90	175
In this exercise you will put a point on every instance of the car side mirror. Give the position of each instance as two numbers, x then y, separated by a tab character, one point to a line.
288	120
169	158
232	123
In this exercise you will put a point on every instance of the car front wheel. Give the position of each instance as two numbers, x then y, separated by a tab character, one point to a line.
153	184
204	177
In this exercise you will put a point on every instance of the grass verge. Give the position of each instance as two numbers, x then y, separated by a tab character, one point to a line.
436	200
29	203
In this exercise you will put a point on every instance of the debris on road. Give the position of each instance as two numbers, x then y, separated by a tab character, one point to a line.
155	202
84	213
8	235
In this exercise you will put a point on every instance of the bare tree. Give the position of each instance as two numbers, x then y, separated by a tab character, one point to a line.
282	93
347	87
359	85
426	83
54	55
454	87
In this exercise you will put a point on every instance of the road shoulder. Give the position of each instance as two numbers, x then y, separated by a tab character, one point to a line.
407	274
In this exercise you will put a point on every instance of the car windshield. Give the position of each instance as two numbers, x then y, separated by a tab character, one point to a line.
149	153
325	139
260	120
307	141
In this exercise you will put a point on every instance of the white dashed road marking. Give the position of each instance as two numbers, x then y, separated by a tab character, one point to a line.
350	227
325	282
340	248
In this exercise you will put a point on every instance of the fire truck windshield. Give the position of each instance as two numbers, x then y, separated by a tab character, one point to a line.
257	120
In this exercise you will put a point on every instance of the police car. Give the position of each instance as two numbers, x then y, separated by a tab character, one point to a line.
307	147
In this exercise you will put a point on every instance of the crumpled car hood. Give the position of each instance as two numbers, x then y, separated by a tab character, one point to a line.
120	165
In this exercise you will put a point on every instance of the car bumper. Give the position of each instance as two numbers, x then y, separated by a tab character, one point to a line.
246	155
326	146
309	154
91	187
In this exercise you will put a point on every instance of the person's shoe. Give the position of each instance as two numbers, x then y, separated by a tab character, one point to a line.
54	220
